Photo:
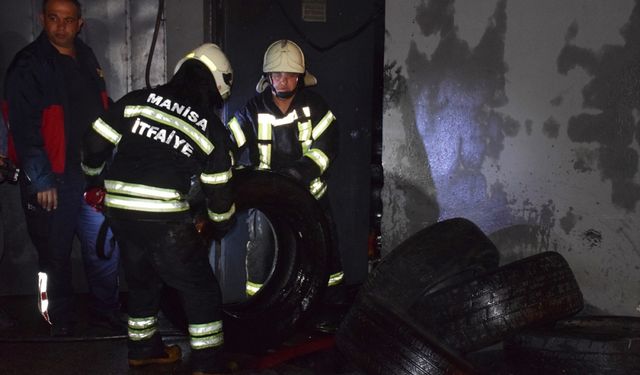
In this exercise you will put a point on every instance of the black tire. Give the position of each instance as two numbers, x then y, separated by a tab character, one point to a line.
603	345
301	269
300	272
431	259
381	341
485	310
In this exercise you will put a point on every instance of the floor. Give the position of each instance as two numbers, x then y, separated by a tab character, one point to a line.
27	348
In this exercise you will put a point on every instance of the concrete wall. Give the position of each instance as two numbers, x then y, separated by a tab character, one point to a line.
522	116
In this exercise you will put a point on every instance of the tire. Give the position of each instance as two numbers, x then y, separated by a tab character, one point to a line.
300	272
484	310
603	345
431	259
381	341
301	265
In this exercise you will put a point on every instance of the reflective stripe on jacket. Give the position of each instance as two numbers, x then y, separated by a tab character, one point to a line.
304	139
162	143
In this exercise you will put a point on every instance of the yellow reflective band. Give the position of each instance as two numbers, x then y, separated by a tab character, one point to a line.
264	126
265	156
141	328
288	119
91	171
142	191
141	334
305	146
205	329
317	188
207	342
237	132
318	157
252	288
172	121
216	178
222	217
323	124
306	111
335	279
204	59
106	131
139	323
147	205
304	131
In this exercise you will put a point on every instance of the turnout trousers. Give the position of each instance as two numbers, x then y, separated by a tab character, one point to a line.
156	253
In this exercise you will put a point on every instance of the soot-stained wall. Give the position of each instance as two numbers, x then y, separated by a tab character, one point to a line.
523	117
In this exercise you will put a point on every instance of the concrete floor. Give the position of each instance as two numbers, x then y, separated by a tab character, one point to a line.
28	349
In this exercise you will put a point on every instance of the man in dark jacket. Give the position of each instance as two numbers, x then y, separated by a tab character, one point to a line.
165	137
289	129
54	90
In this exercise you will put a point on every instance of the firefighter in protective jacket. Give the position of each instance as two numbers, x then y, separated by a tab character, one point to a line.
290	130
162	138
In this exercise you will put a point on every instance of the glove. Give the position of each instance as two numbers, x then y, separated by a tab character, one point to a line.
94	196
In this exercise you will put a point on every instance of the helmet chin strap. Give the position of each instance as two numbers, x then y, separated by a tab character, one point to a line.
282	94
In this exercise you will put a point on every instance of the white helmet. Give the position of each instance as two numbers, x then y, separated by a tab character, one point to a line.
284	56
212	56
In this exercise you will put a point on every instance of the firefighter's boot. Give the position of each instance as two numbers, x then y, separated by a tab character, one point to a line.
172	354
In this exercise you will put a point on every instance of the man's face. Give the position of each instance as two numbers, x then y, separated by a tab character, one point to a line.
61	23
284	82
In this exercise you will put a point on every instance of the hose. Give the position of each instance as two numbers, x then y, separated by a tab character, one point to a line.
153	41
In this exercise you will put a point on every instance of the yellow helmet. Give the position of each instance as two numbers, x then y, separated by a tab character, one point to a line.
212	56
284	56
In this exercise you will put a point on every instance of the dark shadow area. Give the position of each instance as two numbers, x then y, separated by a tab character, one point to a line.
28	349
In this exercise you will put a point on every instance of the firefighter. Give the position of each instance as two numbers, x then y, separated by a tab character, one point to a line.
289	129
162	138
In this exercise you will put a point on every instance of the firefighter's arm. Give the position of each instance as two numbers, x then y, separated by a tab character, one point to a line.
98	144
25	113
243	138
216	182
323	150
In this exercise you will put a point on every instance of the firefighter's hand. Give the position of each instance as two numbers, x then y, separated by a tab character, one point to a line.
48	199
94	196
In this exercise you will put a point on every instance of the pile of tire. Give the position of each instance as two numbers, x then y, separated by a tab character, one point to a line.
441	296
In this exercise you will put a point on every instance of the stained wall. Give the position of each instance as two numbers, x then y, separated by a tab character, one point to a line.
523	117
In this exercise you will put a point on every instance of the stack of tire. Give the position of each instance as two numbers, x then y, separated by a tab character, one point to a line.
438	300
